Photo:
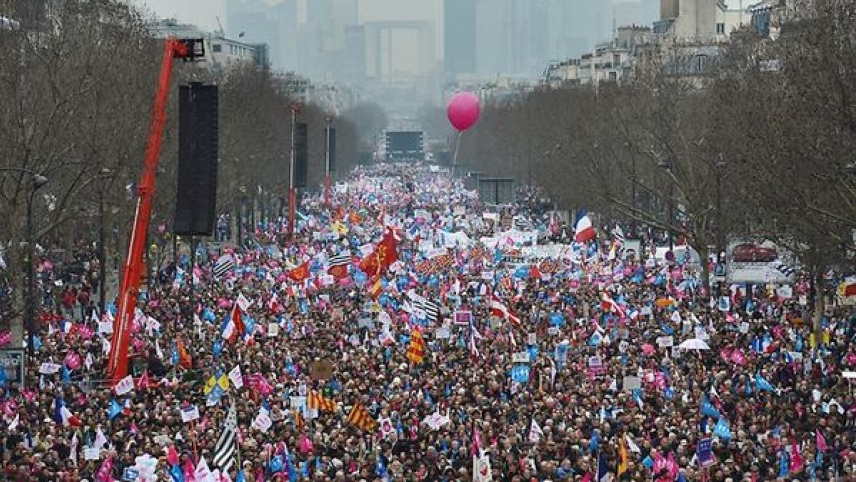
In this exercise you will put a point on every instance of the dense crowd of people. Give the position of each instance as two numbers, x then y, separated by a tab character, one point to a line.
574	363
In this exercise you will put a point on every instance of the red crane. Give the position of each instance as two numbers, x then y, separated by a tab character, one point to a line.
117	365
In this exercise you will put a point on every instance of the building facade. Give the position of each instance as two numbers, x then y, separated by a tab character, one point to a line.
220	53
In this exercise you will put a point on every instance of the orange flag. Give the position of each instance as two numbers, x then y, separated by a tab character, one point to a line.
416	351
184	359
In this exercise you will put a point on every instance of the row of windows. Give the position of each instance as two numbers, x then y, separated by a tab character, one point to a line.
236	50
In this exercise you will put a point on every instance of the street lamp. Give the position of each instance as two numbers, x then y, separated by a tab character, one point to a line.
36	182
720	241
327	120
666	164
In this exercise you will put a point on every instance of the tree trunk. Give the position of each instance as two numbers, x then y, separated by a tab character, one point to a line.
819	306
703	253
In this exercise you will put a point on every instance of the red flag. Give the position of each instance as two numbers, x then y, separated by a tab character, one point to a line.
300	273
382	257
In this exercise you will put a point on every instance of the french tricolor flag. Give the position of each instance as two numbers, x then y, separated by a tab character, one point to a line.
63	416
583	229
233	327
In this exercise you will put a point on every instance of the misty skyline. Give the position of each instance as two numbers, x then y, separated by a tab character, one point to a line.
205	13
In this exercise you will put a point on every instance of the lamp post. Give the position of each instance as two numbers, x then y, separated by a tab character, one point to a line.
30	309
327	120
291	195
666	165
720	239
102	248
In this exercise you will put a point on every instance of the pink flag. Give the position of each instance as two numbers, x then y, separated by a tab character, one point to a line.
738	357
172	455
821	441
72	360
264	387
796	457
86	332
105	473
189	470
5	338
587	477
672	465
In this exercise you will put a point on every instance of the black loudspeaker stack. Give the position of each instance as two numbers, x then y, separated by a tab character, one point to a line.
196	198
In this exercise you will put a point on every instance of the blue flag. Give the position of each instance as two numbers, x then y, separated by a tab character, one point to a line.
722	429
176	473
707	408
761	384
114	409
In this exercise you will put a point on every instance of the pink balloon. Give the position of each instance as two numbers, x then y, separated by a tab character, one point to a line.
463	110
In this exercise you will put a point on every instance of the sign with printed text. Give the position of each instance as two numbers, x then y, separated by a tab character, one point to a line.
520	357
189	414
704	452
463	317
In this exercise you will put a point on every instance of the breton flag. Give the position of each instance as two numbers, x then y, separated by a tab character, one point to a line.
420	305
502	311
584	230
362	419
226	449
224	264
339	265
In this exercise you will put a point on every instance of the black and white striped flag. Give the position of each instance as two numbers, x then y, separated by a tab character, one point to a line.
785	269
341	259
226	450
618	234
419	305
224	264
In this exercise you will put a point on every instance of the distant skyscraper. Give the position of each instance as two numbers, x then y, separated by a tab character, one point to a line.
459	37
322	38
254	21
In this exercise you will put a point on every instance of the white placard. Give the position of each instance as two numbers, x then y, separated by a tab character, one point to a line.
49	368
532	339
91	453
631	383
124	386
520	357
273	330
665	341
189	414
105	327
236	378
262	422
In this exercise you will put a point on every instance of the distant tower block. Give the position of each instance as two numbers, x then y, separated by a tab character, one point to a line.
380	53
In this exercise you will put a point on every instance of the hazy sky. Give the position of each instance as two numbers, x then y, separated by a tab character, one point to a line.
204	13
